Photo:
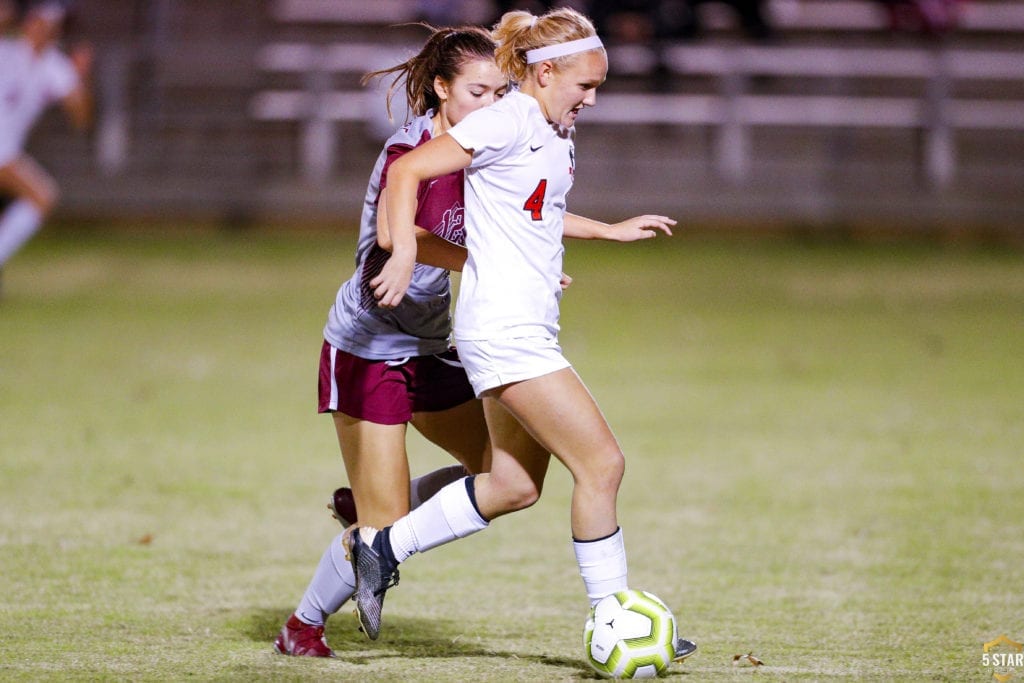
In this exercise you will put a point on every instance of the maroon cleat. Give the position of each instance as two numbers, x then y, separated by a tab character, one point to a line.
299	639
343	507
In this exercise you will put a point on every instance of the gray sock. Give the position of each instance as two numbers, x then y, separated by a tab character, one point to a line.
333	583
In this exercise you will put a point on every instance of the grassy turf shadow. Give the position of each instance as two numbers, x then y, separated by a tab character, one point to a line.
405	638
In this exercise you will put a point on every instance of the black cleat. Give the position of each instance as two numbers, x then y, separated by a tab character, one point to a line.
374	575
684	648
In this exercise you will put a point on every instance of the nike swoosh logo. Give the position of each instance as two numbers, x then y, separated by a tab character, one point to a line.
534	149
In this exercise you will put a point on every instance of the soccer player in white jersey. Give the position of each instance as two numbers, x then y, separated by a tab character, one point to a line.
519	160
382	369
34	74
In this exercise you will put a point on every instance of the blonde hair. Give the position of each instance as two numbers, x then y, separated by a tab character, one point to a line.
519	31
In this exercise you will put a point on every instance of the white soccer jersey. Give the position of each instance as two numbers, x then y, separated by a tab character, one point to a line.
29	83
516	185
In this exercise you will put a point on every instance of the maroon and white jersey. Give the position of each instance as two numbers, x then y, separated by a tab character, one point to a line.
421	324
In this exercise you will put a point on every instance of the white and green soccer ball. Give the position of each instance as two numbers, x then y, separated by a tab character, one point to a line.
630	634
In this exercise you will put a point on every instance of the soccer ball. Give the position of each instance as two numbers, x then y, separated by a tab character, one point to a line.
630	634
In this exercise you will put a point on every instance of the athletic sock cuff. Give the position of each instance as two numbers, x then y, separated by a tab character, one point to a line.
602	565
462	519
471	492
598	540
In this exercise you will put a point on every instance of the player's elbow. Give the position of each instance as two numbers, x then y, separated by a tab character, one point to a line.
80	111
83	124
405	173
85	119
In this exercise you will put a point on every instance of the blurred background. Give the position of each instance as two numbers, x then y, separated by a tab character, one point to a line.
819	115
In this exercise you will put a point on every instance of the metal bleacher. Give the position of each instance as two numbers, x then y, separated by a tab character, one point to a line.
836	120
730	109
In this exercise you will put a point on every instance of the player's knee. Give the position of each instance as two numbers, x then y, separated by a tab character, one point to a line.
525	499
606	472
49	199
44	198
520	495
617	468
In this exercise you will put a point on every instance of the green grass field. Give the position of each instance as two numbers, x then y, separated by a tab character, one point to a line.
824	450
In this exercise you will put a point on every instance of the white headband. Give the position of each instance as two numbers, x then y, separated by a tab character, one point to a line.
563	49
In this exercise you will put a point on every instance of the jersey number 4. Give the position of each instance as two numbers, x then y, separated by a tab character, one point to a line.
535	202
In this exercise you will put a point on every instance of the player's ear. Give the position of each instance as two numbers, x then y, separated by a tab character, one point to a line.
545	70
440	88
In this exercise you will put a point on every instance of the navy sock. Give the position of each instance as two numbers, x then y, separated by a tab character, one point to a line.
471	492
595	540
382	544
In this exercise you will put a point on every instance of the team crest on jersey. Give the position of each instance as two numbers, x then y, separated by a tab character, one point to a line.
451	226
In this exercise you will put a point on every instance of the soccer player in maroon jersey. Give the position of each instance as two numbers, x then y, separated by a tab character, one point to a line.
382	369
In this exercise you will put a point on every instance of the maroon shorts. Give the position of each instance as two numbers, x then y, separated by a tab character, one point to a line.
389	392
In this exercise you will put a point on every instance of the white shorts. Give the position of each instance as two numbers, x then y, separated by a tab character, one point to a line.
495	363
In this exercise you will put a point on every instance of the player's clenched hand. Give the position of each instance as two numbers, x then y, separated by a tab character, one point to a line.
640	228
565	281
392	282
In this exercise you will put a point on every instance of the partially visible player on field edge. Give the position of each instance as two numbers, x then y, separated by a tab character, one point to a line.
382	369
35	73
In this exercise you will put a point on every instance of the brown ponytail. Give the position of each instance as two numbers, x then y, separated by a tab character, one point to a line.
443	55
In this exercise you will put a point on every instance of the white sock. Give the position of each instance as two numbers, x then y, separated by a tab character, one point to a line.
602	565
333	583
445	517
19	222
424	487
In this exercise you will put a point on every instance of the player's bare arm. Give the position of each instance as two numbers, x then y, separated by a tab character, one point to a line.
630	230
438	157
430	249
393	281
78	105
